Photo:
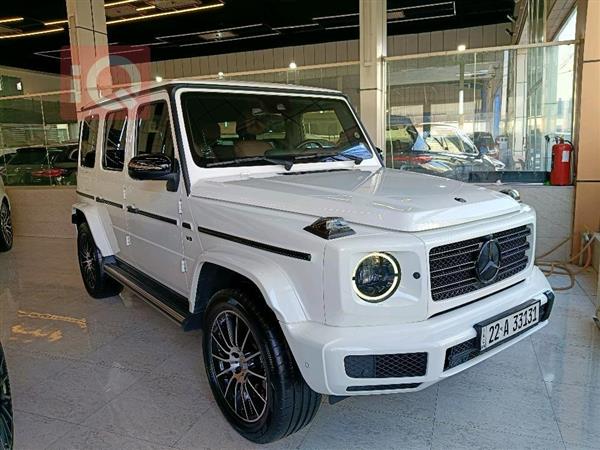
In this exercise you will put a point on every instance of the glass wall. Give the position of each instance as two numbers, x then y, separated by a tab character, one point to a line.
480	116
38	141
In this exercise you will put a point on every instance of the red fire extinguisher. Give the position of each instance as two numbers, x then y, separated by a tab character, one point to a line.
562	152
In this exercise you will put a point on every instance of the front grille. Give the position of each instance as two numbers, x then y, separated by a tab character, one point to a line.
386	366
452	266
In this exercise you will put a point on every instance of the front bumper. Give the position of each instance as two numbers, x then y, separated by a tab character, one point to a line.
320	350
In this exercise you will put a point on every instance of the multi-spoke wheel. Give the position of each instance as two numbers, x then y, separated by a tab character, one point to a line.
241	373
251	370
6	414
96	281
6	229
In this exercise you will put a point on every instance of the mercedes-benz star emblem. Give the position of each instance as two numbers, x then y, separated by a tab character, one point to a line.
488	261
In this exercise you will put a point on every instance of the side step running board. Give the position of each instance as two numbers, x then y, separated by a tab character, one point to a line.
167	301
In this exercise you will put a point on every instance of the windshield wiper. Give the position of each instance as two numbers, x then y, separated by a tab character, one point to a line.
286	160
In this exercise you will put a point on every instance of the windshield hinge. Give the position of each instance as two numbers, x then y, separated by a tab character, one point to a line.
183	266
179	207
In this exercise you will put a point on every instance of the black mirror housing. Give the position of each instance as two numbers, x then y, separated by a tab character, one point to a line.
155	166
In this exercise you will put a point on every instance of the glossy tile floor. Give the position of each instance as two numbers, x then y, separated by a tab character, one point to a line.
116	374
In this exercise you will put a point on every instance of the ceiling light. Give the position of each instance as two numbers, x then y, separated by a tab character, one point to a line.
165	13
461	48
220	75
293	65
118	2
232	39
337	16
11	19
56	22
158	78
31	33
195	33
290	27
394	14
145	8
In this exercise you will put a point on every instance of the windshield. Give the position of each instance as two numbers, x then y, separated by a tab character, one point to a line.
432	138
259	129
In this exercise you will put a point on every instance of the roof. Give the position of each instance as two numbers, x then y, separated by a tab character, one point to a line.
147	87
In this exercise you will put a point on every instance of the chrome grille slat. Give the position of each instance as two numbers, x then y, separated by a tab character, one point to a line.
452	266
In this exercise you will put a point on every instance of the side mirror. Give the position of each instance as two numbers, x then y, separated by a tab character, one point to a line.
155	166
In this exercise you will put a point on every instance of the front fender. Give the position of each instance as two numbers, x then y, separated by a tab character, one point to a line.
272	281
99	222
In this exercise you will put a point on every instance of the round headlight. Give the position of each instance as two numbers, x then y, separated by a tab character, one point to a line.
376	277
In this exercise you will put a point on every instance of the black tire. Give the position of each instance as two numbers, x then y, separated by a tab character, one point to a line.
6	412
289	403
91	264
6	229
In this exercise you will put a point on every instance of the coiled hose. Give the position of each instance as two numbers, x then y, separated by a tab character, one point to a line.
562	268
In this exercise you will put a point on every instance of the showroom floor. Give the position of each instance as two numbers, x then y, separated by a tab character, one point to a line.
114	373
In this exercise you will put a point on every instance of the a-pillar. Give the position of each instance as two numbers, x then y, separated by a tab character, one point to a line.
373	50
89	50
587	185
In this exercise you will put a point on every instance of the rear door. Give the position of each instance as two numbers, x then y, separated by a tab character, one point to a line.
153	213
110	189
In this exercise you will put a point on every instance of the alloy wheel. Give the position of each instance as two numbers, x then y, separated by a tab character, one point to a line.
6	225
238	366
6	417
87	261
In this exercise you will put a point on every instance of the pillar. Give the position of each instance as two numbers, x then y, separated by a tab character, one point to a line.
89	50
587	184
373	50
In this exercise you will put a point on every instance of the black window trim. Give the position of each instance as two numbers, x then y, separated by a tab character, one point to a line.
104	130
135	123
80	158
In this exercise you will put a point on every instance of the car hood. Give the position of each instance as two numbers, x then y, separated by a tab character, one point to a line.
383	198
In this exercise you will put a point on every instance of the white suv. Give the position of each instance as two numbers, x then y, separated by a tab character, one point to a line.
263	213
6	228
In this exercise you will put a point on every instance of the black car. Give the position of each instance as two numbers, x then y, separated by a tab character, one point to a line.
6	412
51	165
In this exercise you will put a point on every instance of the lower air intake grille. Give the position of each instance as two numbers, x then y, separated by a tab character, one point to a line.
386	366
452	266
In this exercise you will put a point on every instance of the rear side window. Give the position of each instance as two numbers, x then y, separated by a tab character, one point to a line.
154	129
114	140
89	135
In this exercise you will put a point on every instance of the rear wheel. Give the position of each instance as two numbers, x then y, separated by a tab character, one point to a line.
6	413
96	281
6	229
251	370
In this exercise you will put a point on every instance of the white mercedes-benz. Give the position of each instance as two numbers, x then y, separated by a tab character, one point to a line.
264	214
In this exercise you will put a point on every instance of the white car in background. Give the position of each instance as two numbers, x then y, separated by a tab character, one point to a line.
263	214
6	228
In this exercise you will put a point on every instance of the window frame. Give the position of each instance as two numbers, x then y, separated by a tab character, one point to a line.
89	117
169	127
104	140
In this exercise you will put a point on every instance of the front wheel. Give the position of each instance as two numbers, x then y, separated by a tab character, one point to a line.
6	229
91	264
6	412
251	370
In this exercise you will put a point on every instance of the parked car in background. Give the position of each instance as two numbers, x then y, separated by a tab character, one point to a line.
485	143
6	412
51	165
6	229
436	149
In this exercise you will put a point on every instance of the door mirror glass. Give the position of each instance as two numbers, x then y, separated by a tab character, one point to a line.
155	166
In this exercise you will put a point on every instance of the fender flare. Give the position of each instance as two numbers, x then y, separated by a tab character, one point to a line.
100	224
272	281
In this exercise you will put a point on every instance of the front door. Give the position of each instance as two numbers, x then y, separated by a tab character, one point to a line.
154	224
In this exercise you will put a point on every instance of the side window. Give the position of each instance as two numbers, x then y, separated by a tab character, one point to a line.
89	135
114	140
154	129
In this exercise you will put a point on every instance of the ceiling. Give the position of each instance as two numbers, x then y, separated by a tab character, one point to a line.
223	26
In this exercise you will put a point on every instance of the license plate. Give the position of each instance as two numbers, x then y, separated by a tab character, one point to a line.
508	325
